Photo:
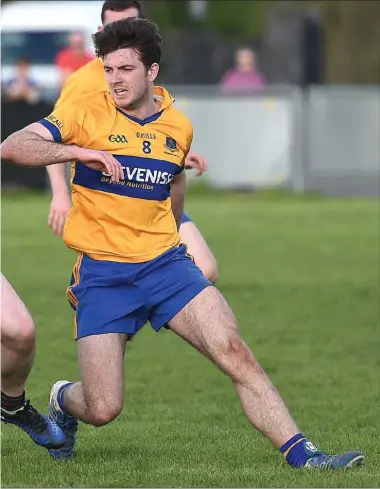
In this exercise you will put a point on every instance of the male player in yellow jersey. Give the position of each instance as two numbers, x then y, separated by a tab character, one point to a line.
90	78
131	267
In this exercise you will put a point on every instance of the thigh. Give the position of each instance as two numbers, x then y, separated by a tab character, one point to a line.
208	323
198	249
172	284
105	300
101	366
14	313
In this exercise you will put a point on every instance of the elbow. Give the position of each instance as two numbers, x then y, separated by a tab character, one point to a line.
6	151
210	271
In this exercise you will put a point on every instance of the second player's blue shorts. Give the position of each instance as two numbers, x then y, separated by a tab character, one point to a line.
185	218
114	297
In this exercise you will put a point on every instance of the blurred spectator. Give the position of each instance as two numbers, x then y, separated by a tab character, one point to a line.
73	57
21	86
244	77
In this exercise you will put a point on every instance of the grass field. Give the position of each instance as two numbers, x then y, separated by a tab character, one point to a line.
302	275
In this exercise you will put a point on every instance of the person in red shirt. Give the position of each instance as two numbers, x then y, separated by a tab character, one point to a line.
73	57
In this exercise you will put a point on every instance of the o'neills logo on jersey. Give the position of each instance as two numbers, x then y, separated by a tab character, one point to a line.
145	135
141	178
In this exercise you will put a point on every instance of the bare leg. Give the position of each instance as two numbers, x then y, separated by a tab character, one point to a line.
98	398
17	341
17	355
199	250
208	323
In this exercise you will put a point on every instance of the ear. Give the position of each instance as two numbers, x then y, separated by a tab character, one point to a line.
100	28
153	72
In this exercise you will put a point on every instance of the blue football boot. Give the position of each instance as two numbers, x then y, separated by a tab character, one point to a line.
41	429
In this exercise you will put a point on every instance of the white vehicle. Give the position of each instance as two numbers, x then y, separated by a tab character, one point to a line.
37	30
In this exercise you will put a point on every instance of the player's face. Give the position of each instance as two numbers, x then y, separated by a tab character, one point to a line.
129	13
128	79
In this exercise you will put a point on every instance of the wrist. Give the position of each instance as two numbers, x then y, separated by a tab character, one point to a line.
76	152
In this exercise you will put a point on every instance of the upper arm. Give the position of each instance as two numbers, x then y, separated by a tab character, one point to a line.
179	180
40	130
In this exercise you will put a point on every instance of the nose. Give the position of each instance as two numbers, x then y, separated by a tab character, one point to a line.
116	79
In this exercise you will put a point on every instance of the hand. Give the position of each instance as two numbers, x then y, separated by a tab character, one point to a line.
101	161
59	210
197	162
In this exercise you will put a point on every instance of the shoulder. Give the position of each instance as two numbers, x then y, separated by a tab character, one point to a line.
94	65
180	119
86	72
180	128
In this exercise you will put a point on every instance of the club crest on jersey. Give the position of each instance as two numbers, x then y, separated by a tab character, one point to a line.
171	145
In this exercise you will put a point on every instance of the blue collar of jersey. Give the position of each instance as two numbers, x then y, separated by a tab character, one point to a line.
142	122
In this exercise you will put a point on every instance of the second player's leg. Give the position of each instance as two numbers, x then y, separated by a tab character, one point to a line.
208	323
198	249
17	341
17	356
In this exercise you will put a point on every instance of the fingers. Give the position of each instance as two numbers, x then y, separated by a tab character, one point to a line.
114	168
56	221
59	225
197	163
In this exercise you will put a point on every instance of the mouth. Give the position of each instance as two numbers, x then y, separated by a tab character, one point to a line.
120	92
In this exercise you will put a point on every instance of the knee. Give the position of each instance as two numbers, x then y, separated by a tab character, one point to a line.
20	334
103	412
239	361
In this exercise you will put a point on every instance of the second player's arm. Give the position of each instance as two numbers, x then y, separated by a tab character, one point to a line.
57	177
177	194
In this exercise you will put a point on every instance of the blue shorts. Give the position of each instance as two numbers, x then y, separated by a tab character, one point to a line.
114	297
185	218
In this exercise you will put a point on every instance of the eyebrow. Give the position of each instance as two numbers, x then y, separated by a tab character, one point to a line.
120	67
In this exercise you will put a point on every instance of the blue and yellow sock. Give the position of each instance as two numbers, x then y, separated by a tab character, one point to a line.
298	450
60	397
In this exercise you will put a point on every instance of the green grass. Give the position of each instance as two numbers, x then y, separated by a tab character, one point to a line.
302	275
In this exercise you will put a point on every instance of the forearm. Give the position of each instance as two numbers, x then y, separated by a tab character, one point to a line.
177	194
29	149
57	177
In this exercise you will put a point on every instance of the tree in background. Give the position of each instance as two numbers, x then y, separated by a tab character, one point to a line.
352	47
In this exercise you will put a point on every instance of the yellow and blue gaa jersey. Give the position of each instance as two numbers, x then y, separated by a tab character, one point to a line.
130	221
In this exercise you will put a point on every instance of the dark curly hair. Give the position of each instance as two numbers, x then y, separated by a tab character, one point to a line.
139	34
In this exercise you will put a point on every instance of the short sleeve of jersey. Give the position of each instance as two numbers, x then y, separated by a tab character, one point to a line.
189	139
65	124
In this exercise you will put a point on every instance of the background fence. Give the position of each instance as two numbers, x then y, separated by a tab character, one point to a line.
324	139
